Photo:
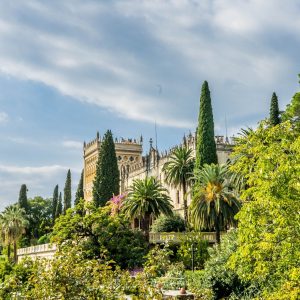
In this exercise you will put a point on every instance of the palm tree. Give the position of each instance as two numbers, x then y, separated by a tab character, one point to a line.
146	199
13	224
178	171
214	203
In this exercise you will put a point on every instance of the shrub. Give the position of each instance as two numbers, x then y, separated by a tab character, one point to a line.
71	276
163	223
101	235
157	261
194	284
217	274
5	267
193	242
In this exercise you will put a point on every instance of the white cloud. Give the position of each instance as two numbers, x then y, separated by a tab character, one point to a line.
114	54
3	117
72	144
40	171
40	180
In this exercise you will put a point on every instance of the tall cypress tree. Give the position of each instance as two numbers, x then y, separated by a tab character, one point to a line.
59	207
274	111
54	202
79	192
106	182
206	152
23	202
67	192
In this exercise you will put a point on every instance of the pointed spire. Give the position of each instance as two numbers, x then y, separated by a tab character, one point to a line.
184	142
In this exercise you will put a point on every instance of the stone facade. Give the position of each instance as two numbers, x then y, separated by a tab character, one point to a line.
133	165
46	251
129	154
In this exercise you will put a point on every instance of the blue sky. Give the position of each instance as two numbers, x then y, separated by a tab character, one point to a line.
70	68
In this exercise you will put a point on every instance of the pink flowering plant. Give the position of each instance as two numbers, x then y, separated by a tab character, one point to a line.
116	203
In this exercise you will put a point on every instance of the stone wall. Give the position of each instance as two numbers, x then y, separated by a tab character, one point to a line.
46	251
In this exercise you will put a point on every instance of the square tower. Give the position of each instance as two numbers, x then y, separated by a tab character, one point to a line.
129	154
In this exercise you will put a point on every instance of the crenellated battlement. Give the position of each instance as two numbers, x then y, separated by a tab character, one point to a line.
223	144
132	164
128	151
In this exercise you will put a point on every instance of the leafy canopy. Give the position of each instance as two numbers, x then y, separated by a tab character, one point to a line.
269	225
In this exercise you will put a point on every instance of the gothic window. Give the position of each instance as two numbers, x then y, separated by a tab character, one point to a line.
178	197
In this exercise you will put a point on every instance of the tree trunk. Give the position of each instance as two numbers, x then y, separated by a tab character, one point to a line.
217	228
15	252
185	208
8	251
146	225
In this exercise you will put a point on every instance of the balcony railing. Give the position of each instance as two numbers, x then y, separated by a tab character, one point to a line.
177	237
36	249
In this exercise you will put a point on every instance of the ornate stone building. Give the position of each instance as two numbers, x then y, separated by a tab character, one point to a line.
129	154
133	165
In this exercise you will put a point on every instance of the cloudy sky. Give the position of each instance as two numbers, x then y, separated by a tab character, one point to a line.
70	68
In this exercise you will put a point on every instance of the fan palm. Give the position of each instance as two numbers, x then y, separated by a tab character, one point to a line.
214	203
178	170
147	198
13	224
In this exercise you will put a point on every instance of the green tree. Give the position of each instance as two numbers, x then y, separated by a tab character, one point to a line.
106	182
54	202
214	204
146	199
100	235
164	223
79	192
59	207
274	110
268	235
217	275
23	197
40	218
67	192
206	152
292	112
13	224
178	170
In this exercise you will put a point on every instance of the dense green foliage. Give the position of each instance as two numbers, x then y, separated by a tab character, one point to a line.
217	280
71	276
178	170
164	223
100	235
157	261
23	203
54	202
274	110
189	244
14	277
79	193
214	203
292	112
40	219
146	199
106	182
269	226
206	152
67	192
